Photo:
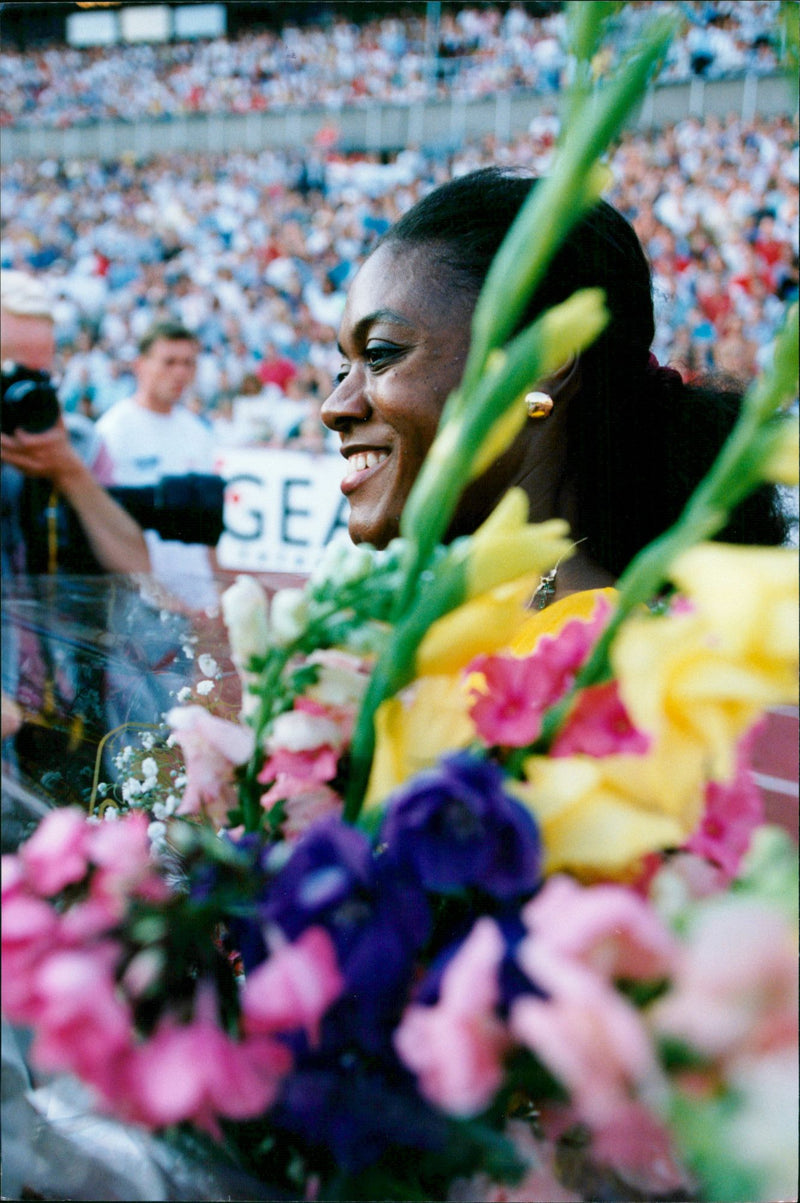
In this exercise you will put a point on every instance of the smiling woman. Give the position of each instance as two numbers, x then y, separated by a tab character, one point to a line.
404	345
624	442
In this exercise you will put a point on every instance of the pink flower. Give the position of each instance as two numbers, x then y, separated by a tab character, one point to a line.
735	991
122	847
212	747
457	1046
607	928
12	874
304	804
312	764
294	987
509	705
637	1142
196	1072
82	1024
30	931
121	851
56	855
680	878
589	1037
734	809
304	729
599	725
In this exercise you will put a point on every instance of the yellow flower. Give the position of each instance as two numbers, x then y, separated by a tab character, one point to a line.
598	816
506	545
503	563
414	728
749	596
697	681
484	624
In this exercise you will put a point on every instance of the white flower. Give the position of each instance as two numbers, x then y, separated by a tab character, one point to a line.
766	1089
132	788
297	731
288	615
204	687
207	665
164	810
149	767
342	563
156	832
341	681
368	639
244	609
184	694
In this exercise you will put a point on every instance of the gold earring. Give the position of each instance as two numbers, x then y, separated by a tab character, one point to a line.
539	405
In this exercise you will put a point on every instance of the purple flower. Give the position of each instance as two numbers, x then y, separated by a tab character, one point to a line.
455	828
357	1111
377	917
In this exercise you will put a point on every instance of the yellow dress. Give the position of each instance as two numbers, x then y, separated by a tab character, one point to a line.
550	620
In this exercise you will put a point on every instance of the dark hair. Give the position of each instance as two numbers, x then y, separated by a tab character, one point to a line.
639	439
173	331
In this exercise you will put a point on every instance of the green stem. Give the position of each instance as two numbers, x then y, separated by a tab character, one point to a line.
267	689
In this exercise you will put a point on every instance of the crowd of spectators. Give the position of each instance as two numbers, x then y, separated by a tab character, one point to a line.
253	252
473	52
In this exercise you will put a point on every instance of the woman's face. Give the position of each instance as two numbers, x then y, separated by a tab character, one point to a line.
404	339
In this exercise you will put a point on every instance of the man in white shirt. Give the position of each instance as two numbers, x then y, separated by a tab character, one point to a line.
151	434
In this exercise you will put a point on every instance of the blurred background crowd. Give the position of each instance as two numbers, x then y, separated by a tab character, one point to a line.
253	251
480	49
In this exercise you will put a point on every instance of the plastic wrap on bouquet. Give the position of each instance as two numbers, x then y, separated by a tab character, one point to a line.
56	1147
94	662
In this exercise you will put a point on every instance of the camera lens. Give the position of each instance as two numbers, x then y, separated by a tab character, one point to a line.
29	400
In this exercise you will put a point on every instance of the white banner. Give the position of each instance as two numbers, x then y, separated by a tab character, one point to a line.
281	508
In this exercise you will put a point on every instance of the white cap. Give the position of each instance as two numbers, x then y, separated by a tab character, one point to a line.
24	295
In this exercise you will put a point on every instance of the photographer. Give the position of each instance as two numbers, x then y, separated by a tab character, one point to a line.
71	461
82	657
53	683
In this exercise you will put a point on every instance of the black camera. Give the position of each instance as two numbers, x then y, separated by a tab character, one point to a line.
186	508
29	400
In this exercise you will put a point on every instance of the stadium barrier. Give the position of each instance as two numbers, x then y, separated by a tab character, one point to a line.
381	126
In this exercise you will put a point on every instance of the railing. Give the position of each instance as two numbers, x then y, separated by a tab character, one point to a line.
376	127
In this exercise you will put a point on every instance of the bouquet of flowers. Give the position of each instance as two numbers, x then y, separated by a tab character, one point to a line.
467	902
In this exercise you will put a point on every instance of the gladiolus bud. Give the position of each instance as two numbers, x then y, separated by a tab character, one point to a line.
569	327
244	609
